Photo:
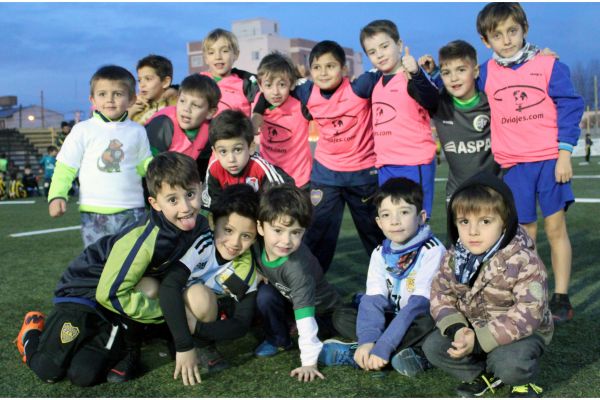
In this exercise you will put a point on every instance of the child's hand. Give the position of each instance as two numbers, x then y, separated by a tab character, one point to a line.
463	344
307	373
563	171
57	207
186	362
427	63
376	363
169	93
549	52
362	354
409	62
138	106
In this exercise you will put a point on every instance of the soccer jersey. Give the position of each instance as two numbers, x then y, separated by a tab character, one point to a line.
237	91
207	268
464	133
256	172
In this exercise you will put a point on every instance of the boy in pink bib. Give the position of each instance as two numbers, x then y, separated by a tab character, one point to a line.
535	116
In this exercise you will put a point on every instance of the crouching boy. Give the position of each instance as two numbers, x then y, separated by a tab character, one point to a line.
490	297
393	315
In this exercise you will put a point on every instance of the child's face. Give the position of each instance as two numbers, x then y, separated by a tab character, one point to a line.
53	153
399	221
383	52
233	154
179	205
151	86
478	232
507	39
234	234
276	88
27	171
192	110
327	72
281	239
459	77
219	57
111	98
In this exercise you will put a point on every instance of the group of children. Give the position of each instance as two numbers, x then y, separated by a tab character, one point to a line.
479	311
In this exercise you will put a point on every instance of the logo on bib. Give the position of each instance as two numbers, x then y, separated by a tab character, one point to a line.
382	113
523	96
68	333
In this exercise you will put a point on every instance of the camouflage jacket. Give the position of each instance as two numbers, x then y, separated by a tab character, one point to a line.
508	300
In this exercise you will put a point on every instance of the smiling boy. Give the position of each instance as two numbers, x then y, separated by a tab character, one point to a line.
109	152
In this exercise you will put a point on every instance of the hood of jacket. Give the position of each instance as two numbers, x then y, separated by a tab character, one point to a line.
492	181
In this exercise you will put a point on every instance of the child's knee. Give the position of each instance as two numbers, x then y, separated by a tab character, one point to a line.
149	287
556	227
202	303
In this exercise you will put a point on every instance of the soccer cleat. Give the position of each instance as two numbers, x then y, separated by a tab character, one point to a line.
409	363
335	352
126	369
32	320
479	386
528	390
266	349
561	308
210	360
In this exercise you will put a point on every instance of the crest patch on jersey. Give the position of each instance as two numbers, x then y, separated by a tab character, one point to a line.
316	196
68	333
252	181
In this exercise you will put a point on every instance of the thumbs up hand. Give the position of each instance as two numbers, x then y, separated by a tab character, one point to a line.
409	62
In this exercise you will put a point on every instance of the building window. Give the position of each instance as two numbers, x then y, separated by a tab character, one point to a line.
256	55
196	61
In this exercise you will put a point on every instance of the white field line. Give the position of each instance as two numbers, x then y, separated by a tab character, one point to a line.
582	200
586	176
44	231
9	202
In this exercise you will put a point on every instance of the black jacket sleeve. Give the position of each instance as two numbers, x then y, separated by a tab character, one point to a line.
160	134
170	295
424	91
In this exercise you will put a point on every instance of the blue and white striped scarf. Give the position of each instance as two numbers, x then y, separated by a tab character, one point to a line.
466	264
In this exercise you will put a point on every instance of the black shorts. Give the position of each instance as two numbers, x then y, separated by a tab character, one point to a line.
76	336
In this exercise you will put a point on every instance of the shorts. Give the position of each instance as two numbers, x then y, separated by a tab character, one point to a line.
536	181
78	343
71	327
94	225
423	174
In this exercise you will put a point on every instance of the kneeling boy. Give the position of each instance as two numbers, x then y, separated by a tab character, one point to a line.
97	306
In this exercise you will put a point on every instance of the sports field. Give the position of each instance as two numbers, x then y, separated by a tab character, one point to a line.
32	264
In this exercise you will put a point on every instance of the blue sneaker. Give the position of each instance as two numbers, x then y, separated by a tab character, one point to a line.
335	352
409	363
266	349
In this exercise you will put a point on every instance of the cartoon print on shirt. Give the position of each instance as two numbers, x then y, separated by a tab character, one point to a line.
111	158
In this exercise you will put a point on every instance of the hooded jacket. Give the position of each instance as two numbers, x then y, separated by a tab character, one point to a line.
107	271
508	298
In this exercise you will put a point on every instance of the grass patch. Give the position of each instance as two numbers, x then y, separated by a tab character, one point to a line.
32	265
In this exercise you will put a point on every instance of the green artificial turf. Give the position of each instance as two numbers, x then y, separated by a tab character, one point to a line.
31	266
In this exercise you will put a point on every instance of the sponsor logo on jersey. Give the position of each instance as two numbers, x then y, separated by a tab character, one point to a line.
469	147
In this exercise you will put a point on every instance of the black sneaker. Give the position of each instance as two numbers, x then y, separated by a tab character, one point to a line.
529	390
210	360
126	369
479	386
561	308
